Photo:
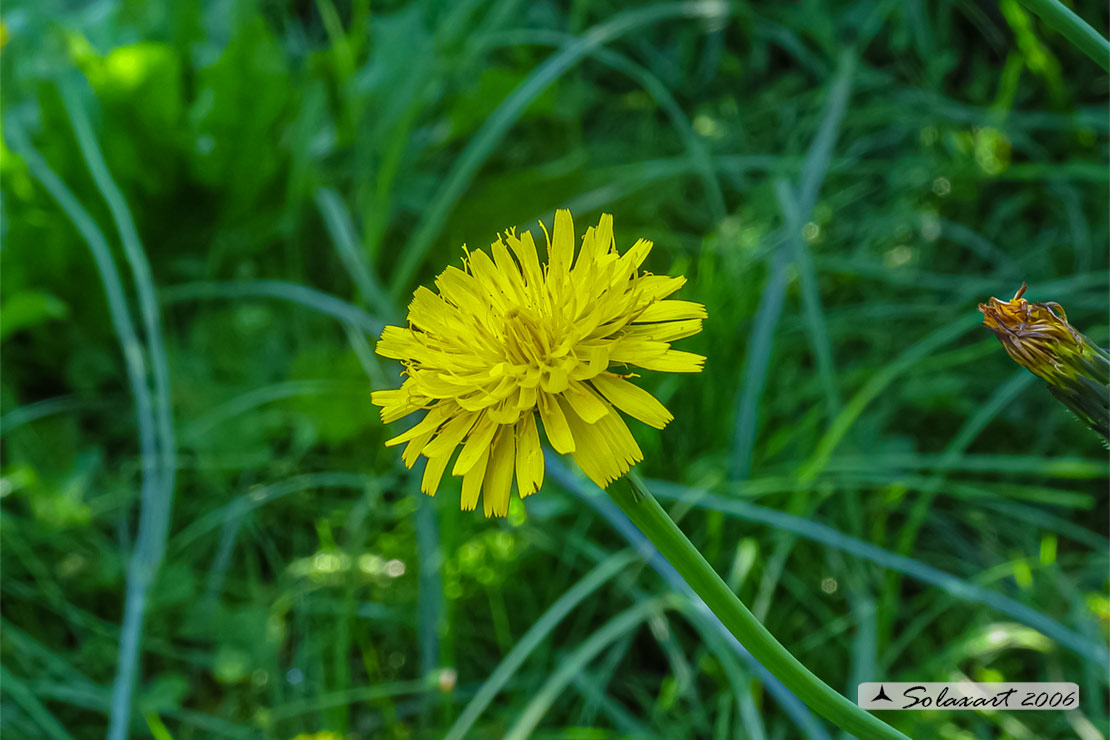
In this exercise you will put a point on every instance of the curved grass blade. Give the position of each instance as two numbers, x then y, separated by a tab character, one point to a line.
806	722
817	162
25	698
878	382
337	221
495	127
814	316
261	396
154	521
362	694
760	345
263	495
280	289
539	631
36	410
1076	30
1083	646
615	628
140	573
954	450
148	301
654	87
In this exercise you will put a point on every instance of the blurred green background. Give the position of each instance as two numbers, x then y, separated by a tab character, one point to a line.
209	209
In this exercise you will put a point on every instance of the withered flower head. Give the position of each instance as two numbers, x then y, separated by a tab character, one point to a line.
1038	337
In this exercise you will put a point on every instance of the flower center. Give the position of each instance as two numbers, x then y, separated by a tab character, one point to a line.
527	341
536	351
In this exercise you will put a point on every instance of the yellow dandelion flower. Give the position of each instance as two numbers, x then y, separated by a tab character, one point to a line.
506	338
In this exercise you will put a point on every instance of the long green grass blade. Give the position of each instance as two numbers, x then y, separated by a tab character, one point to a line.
699	155
964	590
761	341
601	638
707	622
1076	30
493	130
936	339
660	529
154	521
540	630
342	231
281	290
29	703
155	509
814	316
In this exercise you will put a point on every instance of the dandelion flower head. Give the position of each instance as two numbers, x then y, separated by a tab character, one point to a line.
507	339
1038	337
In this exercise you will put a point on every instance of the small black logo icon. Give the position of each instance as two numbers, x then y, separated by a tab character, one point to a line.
882	695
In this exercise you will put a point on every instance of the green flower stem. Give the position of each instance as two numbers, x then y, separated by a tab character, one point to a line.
1064	21
649	517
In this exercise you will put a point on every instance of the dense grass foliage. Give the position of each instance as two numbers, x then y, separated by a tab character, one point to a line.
209	209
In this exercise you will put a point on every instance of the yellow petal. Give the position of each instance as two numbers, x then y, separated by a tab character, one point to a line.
525	250
396	343
389	397
487	396
499	476
561	251
461	290
493	283
429	312
529	456
597	243
555	424
636	351
415	446
472	481
554	380
632	400
671	310
391	414
631	260
450	435
673	361
666	331
428	424
396	403
476	447
585	402
595	360
657	287
508	269
504	413
621	442
603	235
433	472
593	454
526	400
